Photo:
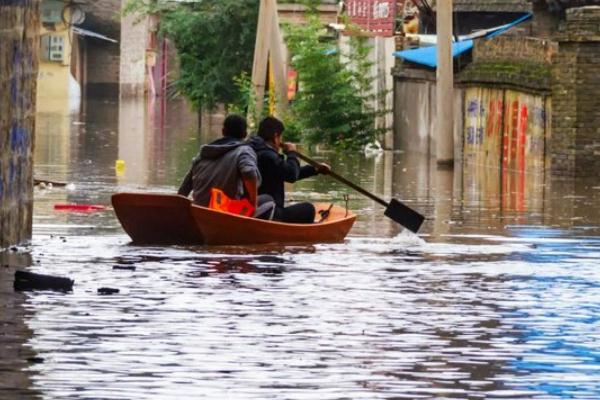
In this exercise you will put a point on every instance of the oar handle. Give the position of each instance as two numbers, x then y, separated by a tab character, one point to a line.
345	181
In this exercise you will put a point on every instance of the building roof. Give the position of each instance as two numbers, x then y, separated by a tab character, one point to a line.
516	6
428	55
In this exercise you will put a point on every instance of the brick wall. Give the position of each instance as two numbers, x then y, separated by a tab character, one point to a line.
520	63
19	43
575	143
492	5
545	21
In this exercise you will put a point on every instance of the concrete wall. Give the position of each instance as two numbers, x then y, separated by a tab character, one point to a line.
506	128
502	105
54	87
575	143
134	41
415	115
19	38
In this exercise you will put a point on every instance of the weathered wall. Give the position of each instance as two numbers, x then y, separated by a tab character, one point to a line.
19	30
520	63
103	63
507	103
501	104
507	119
575	144
414	112
505	128
134	41
492	5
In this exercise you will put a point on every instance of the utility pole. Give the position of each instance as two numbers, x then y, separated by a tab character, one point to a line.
261	50
444	135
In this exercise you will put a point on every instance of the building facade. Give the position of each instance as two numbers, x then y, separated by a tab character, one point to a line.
526	100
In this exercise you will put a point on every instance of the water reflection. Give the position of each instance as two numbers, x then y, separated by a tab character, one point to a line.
156	143
17	357
498	298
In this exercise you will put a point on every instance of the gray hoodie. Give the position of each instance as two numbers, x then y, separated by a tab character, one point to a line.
221	164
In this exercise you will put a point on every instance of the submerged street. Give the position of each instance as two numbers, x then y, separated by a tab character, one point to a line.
496	298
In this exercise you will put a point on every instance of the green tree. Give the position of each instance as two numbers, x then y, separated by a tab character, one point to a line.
334	105
214	41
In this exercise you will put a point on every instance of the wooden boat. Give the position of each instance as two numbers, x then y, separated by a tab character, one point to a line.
150	218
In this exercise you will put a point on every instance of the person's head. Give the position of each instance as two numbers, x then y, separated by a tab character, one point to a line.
271	130
235	126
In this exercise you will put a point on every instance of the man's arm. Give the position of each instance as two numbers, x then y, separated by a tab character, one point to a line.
247	165
287	169
251	185
308	170
187	184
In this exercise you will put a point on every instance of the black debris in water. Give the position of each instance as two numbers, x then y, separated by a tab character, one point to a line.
124	267
25	281
107	291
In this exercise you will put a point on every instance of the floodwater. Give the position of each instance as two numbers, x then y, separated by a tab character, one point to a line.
497	298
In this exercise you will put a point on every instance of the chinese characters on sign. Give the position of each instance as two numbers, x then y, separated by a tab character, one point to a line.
375	16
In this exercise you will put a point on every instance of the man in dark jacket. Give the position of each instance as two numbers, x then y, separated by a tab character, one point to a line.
228	164
276	169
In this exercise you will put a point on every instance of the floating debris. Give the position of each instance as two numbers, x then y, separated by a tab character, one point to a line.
25	281
107	291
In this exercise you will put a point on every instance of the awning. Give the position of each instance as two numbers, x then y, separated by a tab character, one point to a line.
428	55
85	32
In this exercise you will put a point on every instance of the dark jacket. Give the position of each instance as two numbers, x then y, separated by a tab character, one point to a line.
221	164
275	169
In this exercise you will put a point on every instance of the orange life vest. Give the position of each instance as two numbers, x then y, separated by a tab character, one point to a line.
219	201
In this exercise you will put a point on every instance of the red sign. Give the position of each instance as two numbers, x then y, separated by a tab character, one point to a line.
292	84
375	16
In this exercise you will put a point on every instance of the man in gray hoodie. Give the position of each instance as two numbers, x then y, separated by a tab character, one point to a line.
228	164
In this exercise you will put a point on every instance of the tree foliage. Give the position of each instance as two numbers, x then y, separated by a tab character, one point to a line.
214	41
334	105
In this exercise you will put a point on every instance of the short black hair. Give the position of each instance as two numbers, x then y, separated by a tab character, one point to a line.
235	126
268	127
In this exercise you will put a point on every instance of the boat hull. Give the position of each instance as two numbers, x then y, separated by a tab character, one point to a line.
229	229
153	218
163	219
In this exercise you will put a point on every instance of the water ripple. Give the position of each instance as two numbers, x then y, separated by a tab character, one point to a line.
372	318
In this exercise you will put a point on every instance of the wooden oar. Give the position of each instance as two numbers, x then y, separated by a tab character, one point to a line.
394	210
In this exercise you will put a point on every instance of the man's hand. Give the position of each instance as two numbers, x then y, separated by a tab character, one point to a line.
323	168
287	147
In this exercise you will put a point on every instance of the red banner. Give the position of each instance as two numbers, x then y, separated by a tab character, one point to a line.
375	16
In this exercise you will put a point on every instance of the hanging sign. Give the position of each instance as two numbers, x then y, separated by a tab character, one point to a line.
292	84
375	16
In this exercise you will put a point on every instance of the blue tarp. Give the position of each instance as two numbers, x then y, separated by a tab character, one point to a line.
428	55
504	28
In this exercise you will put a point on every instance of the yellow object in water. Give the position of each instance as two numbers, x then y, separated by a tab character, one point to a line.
120	167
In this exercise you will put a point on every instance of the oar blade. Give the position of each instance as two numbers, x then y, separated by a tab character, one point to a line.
404	215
